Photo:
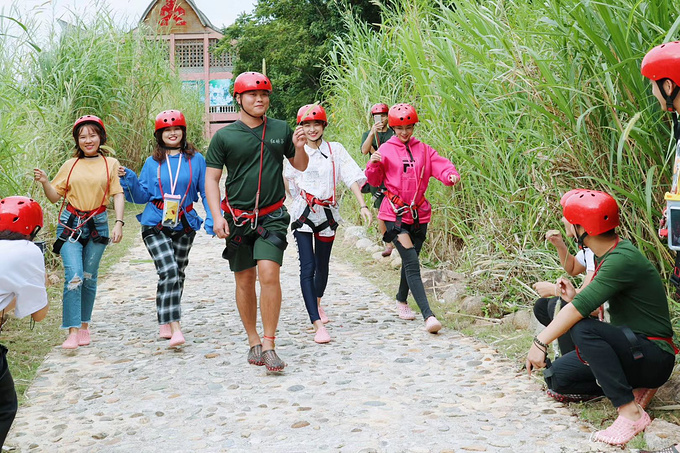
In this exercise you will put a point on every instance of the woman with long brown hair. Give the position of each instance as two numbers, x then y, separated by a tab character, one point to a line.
169	184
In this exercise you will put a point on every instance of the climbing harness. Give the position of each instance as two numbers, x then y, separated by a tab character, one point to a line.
400	207
325	204
242	217
72	231
172	205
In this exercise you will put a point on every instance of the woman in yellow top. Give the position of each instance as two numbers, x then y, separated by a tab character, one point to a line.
86	182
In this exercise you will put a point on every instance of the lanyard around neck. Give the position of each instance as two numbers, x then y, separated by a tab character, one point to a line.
173	186
173	183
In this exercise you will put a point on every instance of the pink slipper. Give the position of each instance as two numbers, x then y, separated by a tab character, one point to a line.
405	312
177	339
432	324
83	337
322	336
71	341
166	331
322	315
643	396
622	430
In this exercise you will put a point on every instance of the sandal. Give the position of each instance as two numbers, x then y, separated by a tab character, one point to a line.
622	430
272	362
571	397
255	355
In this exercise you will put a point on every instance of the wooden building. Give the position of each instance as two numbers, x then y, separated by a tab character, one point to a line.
191	38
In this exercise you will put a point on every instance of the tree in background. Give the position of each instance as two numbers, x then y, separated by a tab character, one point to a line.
294	38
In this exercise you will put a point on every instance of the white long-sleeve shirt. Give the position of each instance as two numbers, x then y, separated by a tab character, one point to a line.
318	180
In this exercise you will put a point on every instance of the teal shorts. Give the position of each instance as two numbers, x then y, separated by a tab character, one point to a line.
254	247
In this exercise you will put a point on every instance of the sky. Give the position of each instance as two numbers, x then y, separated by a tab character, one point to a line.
128	12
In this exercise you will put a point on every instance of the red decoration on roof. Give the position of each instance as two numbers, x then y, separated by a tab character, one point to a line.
172	11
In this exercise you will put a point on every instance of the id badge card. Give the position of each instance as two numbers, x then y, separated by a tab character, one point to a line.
171	210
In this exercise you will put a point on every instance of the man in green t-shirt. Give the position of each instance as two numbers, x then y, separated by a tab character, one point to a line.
255	221
370	142
623	359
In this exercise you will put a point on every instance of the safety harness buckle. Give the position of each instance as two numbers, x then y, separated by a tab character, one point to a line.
77	238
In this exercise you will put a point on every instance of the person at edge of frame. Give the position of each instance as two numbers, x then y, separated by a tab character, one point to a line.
622	359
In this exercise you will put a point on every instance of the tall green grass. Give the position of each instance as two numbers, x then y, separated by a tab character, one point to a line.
529	100
87	68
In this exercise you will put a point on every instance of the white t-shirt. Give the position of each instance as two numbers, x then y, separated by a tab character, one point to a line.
22	275
587	259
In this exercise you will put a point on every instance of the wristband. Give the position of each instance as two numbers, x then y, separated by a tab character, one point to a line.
122	223
362	207
538	342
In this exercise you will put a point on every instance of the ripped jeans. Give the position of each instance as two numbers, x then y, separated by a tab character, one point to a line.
81	267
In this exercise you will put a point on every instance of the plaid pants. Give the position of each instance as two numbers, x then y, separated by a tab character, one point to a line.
170	255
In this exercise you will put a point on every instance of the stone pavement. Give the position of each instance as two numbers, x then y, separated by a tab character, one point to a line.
382	384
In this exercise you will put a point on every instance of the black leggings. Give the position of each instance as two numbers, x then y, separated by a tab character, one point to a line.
313	269
8	397
544	310
612	369
410	268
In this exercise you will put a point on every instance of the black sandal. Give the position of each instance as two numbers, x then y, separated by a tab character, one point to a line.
255	355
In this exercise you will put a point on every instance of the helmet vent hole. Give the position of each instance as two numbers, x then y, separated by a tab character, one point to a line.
606	217
15	220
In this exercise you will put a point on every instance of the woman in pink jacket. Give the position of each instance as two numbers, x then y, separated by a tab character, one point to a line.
406	165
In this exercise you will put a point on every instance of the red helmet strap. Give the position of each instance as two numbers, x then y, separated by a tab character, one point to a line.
35	232
580	239
670	98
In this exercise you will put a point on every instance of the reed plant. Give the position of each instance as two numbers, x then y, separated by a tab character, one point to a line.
89	67
529	100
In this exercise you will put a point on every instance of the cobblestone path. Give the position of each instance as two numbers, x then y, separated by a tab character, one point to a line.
381	385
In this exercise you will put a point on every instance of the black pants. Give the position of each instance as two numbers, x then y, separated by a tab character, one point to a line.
410	267
611	368
8	397
544	310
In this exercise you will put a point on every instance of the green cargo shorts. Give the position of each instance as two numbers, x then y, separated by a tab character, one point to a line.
254	247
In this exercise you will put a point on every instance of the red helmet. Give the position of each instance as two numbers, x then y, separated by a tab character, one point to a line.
312	112
597	212
88	119
20	215
251	81
377	109
569	194
663	62
170	118
402	115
